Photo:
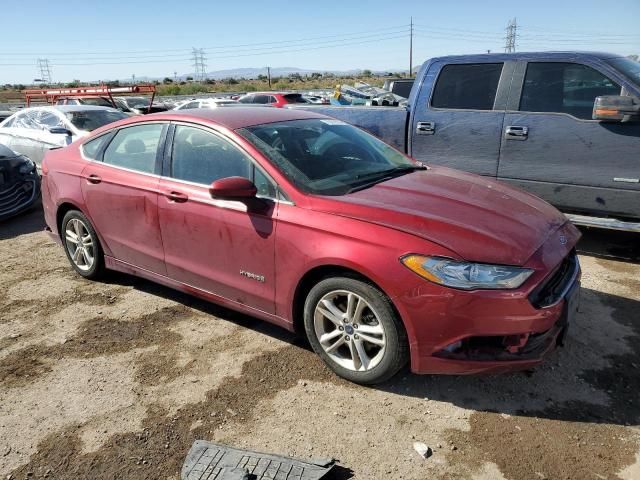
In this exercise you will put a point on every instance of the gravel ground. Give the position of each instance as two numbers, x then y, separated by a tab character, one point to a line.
117	379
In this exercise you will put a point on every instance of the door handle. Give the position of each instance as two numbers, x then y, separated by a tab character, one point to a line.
177	197
95	179
426	128
516	132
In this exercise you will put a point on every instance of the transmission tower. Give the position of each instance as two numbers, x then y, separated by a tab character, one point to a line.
512	29
199	65
45	70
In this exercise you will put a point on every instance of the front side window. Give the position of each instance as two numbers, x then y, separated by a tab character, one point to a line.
263	99
135	148
201	157
467	86
246	99
564	88
49	120
190	105
327	157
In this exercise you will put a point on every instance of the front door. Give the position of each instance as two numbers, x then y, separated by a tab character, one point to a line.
225	247
121	194
459	125
552	148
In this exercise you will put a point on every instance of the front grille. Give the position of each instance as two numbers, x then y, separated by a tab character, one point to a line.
551	290
16	196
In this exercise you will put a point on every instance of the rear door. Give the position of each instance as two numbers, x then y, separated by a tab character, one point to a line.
458	115
552	148
120	190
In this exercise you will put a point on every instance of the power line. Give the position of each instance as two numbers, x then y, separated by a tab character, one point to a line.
343	36
512	29
255	52
199	65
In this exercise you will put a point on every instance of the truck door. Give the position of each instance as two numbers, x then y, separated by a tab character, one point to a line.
552	148
458	114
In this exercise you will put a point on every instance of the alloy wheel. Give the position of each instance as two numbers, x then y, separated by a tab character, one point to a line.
349	330
79	244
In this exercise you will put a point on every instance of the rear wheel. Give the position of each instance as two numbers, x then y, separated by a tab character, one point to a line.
353	327
81	245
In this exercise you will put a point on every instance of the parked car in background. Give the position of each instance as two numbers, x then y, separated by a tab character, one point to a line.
206	103
318	226
33	131
140	105
19	183
272	98
564	126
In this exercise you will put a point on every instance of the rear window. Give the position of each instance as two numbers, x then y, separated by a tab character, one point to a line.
295	98
467	86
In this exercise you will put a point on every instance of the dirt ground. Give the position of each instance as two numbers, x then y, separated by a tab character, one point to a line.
116	380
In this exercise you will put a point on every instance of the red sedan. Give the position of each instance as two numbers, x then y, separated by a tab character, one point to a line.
274	99
319	227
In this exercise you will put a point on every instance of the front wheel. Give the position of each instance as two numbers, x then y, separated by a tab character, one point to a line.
81	245
354	328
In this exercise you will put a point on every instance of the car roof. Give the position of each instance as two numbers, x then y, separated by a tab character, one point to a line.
558	55
231	118
69	108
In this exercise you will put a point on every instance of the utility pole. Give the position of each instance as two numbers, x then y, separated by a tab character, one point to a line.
512	29
269	76
175	76
411	47
45	70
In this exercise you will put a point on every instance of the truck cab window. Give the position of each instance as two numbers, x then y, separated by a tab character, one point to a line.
564	88
467	86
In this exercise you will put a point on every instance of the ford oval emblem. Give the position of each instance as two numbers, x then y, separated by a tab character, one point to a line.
563	240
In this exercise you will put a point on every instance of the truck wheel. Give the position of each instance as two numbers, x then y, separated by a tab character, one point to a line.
353	327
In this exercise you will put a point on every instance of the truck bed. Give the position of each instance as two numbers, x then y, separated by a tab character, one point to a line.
387	123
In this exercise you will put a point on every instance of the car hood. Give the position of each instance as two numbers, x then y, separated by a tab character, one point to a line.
477	218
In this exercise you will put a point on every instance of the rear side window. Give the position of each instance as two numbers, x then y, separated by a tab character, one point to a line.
295	98
92	148
467	86
564	88
135	148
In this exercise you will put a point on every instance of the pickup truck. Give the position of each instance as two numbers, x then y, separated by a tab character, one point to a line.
564	126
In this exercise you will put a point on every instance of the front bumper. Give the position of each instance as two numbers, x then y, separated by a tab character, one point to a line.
466	332
18	196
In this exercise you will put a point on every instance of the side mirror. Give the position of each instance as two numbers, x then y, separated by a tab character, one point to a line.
60	131
233	188
616	108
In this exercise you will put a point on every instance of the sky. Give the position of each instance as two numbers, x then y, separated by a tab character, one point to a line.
91	40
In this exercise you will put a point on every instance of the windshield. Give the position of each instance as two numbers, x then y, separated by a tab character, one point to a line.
327	157
89	120
628	67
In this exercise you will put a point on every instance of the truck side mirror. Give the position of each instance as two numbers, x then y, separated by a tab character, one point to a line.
616	108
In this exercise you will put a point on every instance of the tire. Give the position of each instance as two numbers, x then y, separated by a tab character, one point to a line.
72	223
366	346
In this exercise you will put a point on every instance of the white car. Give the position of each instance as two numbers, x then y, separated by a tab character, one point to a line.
33	131
206	103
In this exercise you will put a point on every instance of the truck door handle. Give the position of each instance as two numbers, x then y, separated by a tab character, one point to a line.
95	179
516	132
177	197
426	128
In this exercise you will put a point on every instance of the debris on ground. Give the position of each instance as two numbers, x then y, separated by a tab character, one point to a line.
209	461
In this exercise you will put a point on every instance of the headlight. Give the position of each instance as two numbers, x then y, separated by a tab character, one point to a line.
27	166
466	275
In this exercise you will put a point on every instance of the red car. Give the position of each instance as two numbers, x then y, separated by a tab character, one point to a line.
272	98
319	227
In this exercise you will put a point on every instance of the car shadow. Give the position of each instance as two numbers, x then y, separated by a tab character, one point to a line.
26	222
610	244
605	337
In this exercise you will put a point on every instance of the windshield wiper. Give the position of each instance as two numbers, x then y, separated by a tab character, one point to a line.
371	179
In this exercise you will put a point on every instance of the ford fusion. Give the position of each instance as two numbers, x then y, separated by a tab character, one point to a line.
321	228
